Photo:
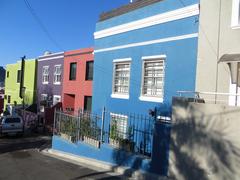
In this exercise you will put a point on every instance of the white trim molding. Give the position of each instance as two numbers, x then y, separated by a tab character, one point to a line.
181	13
120	96
50	58
151	99
122	60
163	56
144	43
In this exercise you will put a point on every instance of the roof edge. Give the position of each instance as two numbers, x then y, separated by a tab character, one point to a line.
126	8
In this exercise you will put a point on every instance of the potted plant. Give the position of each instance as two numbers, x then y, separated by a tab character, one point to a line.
118	141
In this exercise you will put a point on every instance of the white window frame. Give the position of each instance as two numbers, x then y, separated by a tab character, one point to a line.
119	94
122	124
45	97
45	75
55	74
54	97
235	24
152	98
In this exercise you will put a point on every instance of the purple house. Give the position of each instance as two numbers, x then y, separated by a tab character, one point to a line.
49	82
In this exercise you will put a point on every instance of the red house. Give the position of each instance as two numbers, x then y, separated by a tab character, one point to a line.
77	80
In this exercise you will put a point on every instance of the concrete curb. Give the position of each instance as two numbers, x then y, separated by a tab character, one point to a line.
101	166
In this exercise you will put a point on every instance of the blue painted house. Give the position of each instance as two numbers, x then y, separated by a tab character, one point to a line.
144	53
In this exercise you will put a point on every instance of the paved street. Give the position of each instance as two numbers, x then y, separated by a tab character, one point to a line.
20	159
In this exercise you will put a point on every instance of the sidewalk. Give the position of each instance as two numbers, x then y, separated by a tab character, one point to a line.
101	166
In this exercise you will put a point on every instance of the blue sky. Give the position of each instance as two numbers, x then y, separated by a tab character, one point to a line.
71	23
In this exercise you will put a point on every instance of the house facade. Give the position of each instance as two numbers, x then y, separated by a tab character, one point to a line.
144	53
13	79
77	80
49	80
218	67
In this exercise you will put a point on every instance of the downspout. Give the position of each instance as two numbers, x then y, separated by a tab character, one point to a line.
218	48
236	97
22	77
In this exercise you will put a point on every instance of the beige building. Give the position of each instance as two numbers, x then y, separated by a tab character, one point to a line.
219	49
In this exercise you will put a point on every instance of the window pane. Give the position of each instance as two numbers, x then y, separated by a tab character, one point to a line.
89	70
12	120
73	69
9	99
118	127
19	74
45	75
88	103
57	74
121	78
153	78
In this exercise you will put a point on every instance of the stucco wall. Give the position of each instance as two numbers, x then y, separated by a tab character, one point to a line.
211	76
79	87
12	87
180	63
50	88
205	141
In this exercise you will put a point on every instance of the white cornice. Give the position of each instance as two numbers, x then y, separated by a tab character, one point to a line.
156	41
51	58
150	21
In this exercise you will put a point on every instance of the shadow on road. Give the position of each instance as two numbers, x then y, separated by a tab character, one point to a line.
16	143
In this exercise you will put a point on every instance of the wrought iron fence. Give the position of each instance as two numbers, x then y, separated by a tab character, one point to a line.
131	132
127	131
80	127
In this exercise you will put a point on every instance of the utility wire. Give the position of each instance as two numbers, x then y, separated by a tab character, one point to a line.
42	26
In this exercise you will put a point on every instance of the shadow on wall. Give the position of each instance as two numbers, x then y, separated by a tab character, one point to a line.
205	141
158	163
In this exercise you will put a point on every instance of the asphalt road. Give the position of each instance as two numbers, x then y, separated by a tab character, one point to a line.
21	159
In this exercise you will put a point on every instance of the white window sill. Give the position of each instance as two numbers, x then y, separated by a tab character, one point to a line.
120	96
57	83
44	82
236	27
151	99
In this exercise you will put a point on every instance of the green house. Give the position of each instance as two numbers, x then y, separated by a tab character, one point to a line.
13	79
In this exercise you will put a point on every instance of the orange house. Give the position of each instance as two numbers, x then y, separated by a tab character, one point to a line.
77	80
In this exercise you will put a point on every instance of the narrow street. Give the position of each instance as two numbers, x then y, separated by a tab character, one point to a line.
21	159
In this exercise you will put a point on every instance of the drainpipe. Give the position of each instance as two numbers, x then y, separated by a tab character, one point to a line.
236	97
22	88
218	48
22	77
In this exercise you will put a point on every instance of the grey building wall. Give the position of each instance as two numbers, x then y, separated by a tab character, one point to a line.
211	76
205	141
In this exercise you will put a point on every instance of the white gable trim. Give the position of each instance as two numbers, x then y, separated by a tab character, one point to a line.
187	36
150	21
